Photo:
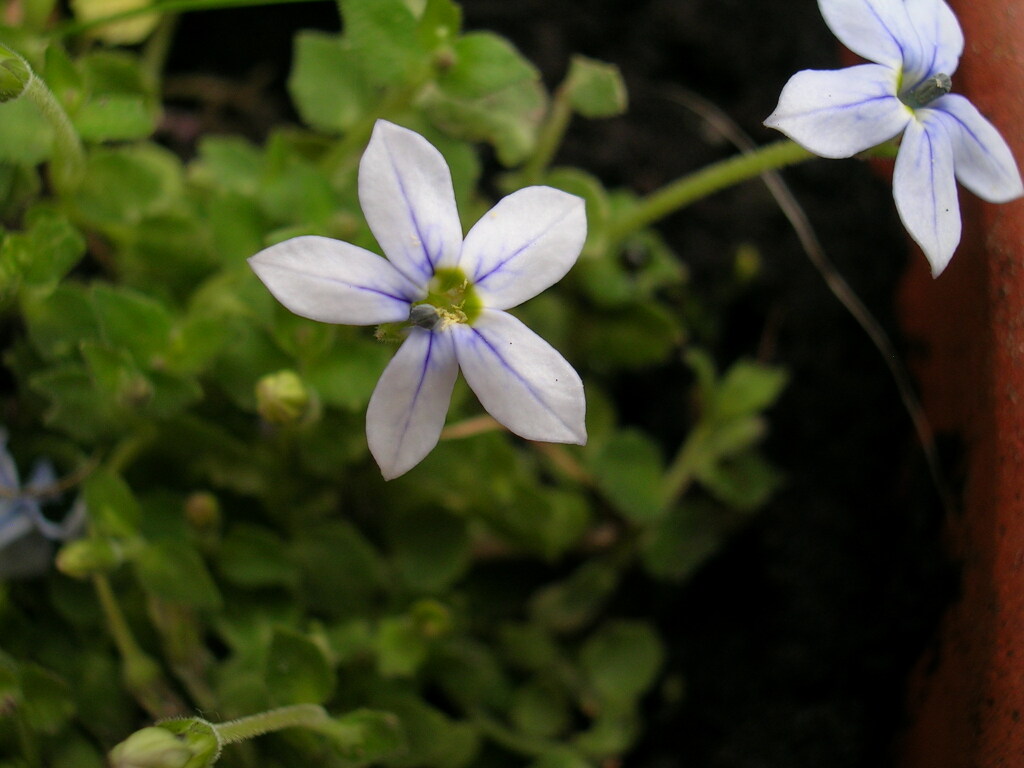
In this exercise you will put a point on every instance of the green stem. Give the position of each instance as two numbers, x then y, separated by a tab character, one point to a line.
688	189
297	715
71	28
68	164
680	472
550	137
142	675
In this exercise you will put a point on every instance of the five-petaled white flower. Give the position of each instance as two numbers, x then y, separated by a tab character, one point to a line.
916	45
451	292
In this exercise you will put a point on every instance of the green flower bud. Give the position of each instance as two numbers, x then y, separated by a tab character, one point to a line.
202	511
201	738
151	748
14	74
282	398
431	618
88	557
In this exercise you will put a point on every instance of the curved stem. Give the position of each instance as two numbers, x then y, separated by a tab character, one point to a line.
682	192
68	164
275	720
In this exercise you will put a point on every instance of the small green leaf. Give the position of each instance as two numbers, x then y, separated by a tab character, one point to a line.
431	548
629	472
113	510
124	185
346	377
570	604
133	321
596	89
298	671
401	647
48	703
251	556
541	709
622	660
365	735
174	571
485	63
383	38
686	537
327	82
115	117
747	388
744	482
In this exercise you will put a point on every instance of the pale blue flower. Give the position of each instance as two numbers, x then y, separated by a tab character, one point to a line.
916	46
451	293
25	534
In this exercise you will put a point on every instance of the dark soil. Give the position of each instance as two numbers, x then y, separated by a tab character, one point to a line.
794	644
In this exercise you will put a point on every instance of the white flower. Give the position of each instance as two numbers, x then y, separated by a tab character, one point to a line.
916	45
452	292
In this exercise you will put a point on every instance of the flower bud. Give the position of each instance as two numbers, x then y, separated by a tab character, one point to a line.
282	398
88	557
151	748
14	74
202	511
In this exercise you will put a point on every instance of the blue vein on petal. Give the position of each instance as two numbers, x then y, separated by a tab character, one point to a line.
416	395
523	247
412	215
903	52
837	108
353	286
967	129
526	384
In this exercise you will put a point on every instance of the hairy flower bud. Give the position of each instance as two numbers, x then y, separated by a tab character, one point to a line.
151	748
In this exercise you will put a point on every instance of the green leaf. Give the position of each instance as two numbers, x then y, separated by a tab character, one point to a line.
365	735
341	571
42	255
595	89
433	739
430	548
484	64
251	556
401	647
48	703
228	163
744	482
133	321
629	472
327	82
115	117
346	377
491	93
570	604
175	572
75	407
685	538
621	661
541	709
122	186
439	24
382	35
113	510
297	671
747	388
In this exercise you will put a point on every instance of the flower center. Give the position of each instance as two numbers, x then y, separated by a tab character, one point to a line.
927	91
450	299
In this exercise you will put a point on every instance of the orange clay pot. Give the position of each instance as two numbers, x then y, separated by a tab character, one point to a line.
966	699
